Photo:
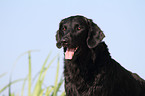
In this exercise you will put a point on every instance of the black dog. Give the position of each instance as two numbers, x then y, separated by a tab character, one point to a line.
89	69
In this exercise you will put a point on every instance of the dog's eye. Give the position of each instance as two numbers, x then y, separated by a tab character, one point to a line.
78	28
64	28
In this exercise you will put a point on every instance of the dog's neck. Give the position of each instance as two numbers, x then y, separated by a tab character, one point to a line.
92	57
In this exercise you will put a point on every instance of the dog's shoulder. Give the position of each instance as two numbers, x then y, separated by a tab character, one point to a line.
102	47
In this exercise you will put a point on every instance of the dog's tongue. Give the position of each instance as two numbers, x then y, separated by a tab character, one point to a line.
69	53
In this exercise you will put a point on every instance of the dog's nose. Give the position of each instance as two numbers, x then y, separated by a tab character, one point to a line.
64	42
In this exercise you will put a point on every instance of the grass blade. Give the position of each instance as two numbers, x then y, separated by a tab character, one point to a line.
40	80
48	92
10	84
37	86
10	89
43	67
29	75
2	75
56	79
59	84
41	93
43	76
22	91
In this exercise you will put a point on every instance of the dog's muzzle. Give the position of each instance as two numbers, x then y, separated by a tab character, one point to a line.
69	51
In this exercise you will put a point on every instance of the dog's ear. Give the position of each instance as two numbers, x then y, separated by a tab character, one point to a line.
58	39
95	34
59	35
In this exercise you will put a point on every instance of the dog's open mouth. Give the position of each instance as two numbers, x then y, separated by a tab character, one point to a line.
70	53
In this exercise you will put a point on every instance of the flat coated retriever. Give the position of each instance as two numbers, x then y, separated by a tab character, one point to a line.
89	69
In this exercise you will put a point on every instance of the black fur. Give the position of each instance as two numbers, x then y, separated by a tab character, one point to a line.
92	71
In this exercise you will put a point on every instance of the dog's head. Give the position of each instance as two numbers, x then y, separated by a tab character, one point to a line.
76	31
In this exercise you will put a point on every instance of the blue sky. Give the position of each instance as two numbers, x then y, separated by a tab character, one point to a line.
32	25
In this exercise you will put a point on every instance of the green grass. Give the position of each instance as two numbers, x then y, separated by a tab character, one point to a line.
38	89
29	75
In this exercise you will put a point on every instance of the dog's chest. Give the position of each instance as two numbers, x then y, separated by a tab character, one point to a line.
80	81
